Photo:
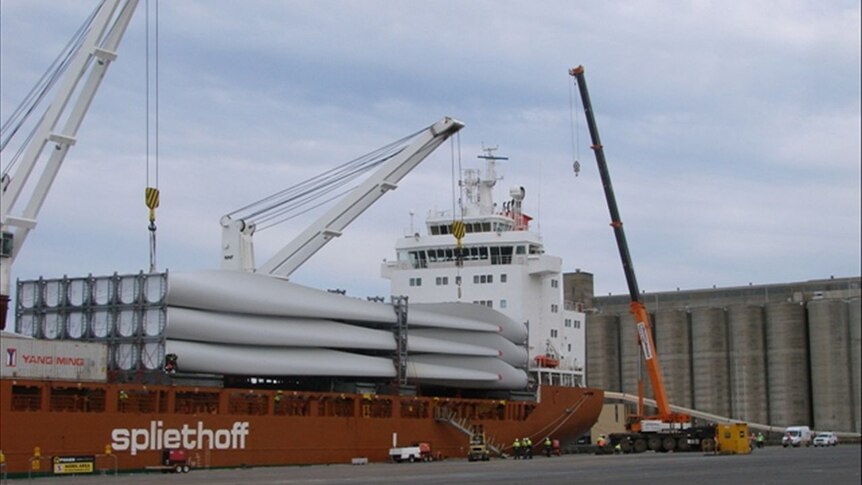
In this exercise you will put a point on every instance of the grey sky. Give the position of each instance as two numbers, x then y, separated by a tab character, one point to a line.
732	130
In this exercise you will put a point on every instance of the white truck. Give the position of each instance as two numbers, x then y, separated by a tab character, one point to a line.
796	436
412	453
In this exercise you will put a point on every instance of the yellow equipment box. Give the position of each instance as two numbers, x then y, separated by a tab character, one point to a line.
733	439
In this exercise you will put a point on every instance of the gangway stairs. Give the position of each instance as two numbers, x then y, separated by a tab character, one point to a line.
464	425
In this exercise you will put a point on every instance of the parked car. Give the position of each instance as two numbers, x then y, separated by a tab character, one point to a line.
796	436
826	439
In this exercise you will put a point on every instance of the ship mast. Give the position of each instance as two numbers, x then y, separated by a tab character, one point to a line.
482	199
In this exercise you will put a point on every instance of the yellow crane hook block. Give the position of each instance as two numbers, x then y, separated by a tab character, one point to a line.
151	197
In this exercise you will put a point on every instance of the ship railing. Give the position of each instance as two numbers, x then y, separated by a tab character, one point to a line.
501	259
558	377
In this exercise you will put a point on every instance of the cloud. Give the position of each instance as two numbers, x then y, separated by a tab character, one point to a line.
731	130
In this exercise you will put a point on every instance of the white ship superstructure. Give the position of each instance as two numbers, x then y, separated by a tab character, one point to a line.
502	265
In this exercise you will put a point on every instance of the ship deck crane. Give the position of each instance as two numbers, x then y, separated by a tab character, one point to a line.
637	308
19	212
237	243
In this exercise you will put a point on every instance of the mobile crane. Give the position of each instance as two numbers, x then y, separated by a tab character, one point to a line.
667	430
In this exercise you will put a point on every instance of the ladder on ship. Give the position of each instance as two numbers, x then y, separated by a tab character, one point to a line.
465	426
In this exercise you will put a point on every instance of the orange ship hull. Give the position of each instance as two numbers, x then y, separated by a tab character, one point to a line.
222	427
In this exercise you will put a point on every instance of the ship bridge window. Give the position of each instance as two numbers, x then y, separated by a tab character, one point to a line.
475	253
440	255
501	254
419	259
520	250
535	249
502	226
471	227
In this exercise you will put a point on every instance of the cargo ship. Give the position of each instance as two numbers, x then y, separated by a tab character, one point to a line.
243	369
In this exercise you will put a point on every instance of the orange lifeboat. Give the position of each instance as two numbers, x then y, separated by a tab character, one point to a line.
547	361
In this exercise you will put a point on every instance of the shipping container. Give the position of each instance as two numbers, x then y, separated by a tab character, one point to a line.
26	358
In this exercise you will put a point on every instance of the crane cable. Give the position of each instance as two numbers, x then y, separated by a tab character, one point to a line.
303	196
458	227
151	192
575	127
40	90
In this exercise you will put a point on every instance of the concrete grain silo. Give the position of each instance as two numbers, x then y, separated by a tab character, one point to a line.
747	363
673	345
603	352
787	364
709	351
855	326
831	390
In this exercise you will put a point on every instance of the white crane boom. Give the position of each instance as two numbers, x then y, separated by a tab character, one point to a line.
91	60
237	246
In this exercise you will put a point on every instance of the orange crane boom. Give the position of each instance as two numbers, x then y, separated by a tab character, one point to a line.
637	308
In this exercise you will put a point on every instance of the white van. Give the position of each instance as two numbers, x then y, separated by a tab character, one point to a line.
796	436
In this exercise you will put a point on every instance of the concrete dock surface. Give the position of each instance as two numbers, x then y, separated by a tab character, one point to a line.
772	465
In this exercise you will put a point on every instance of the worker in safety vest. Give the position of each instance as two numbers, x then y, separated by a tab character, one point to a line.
527	444
760	439
549	446
124	399
516	448
601	442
